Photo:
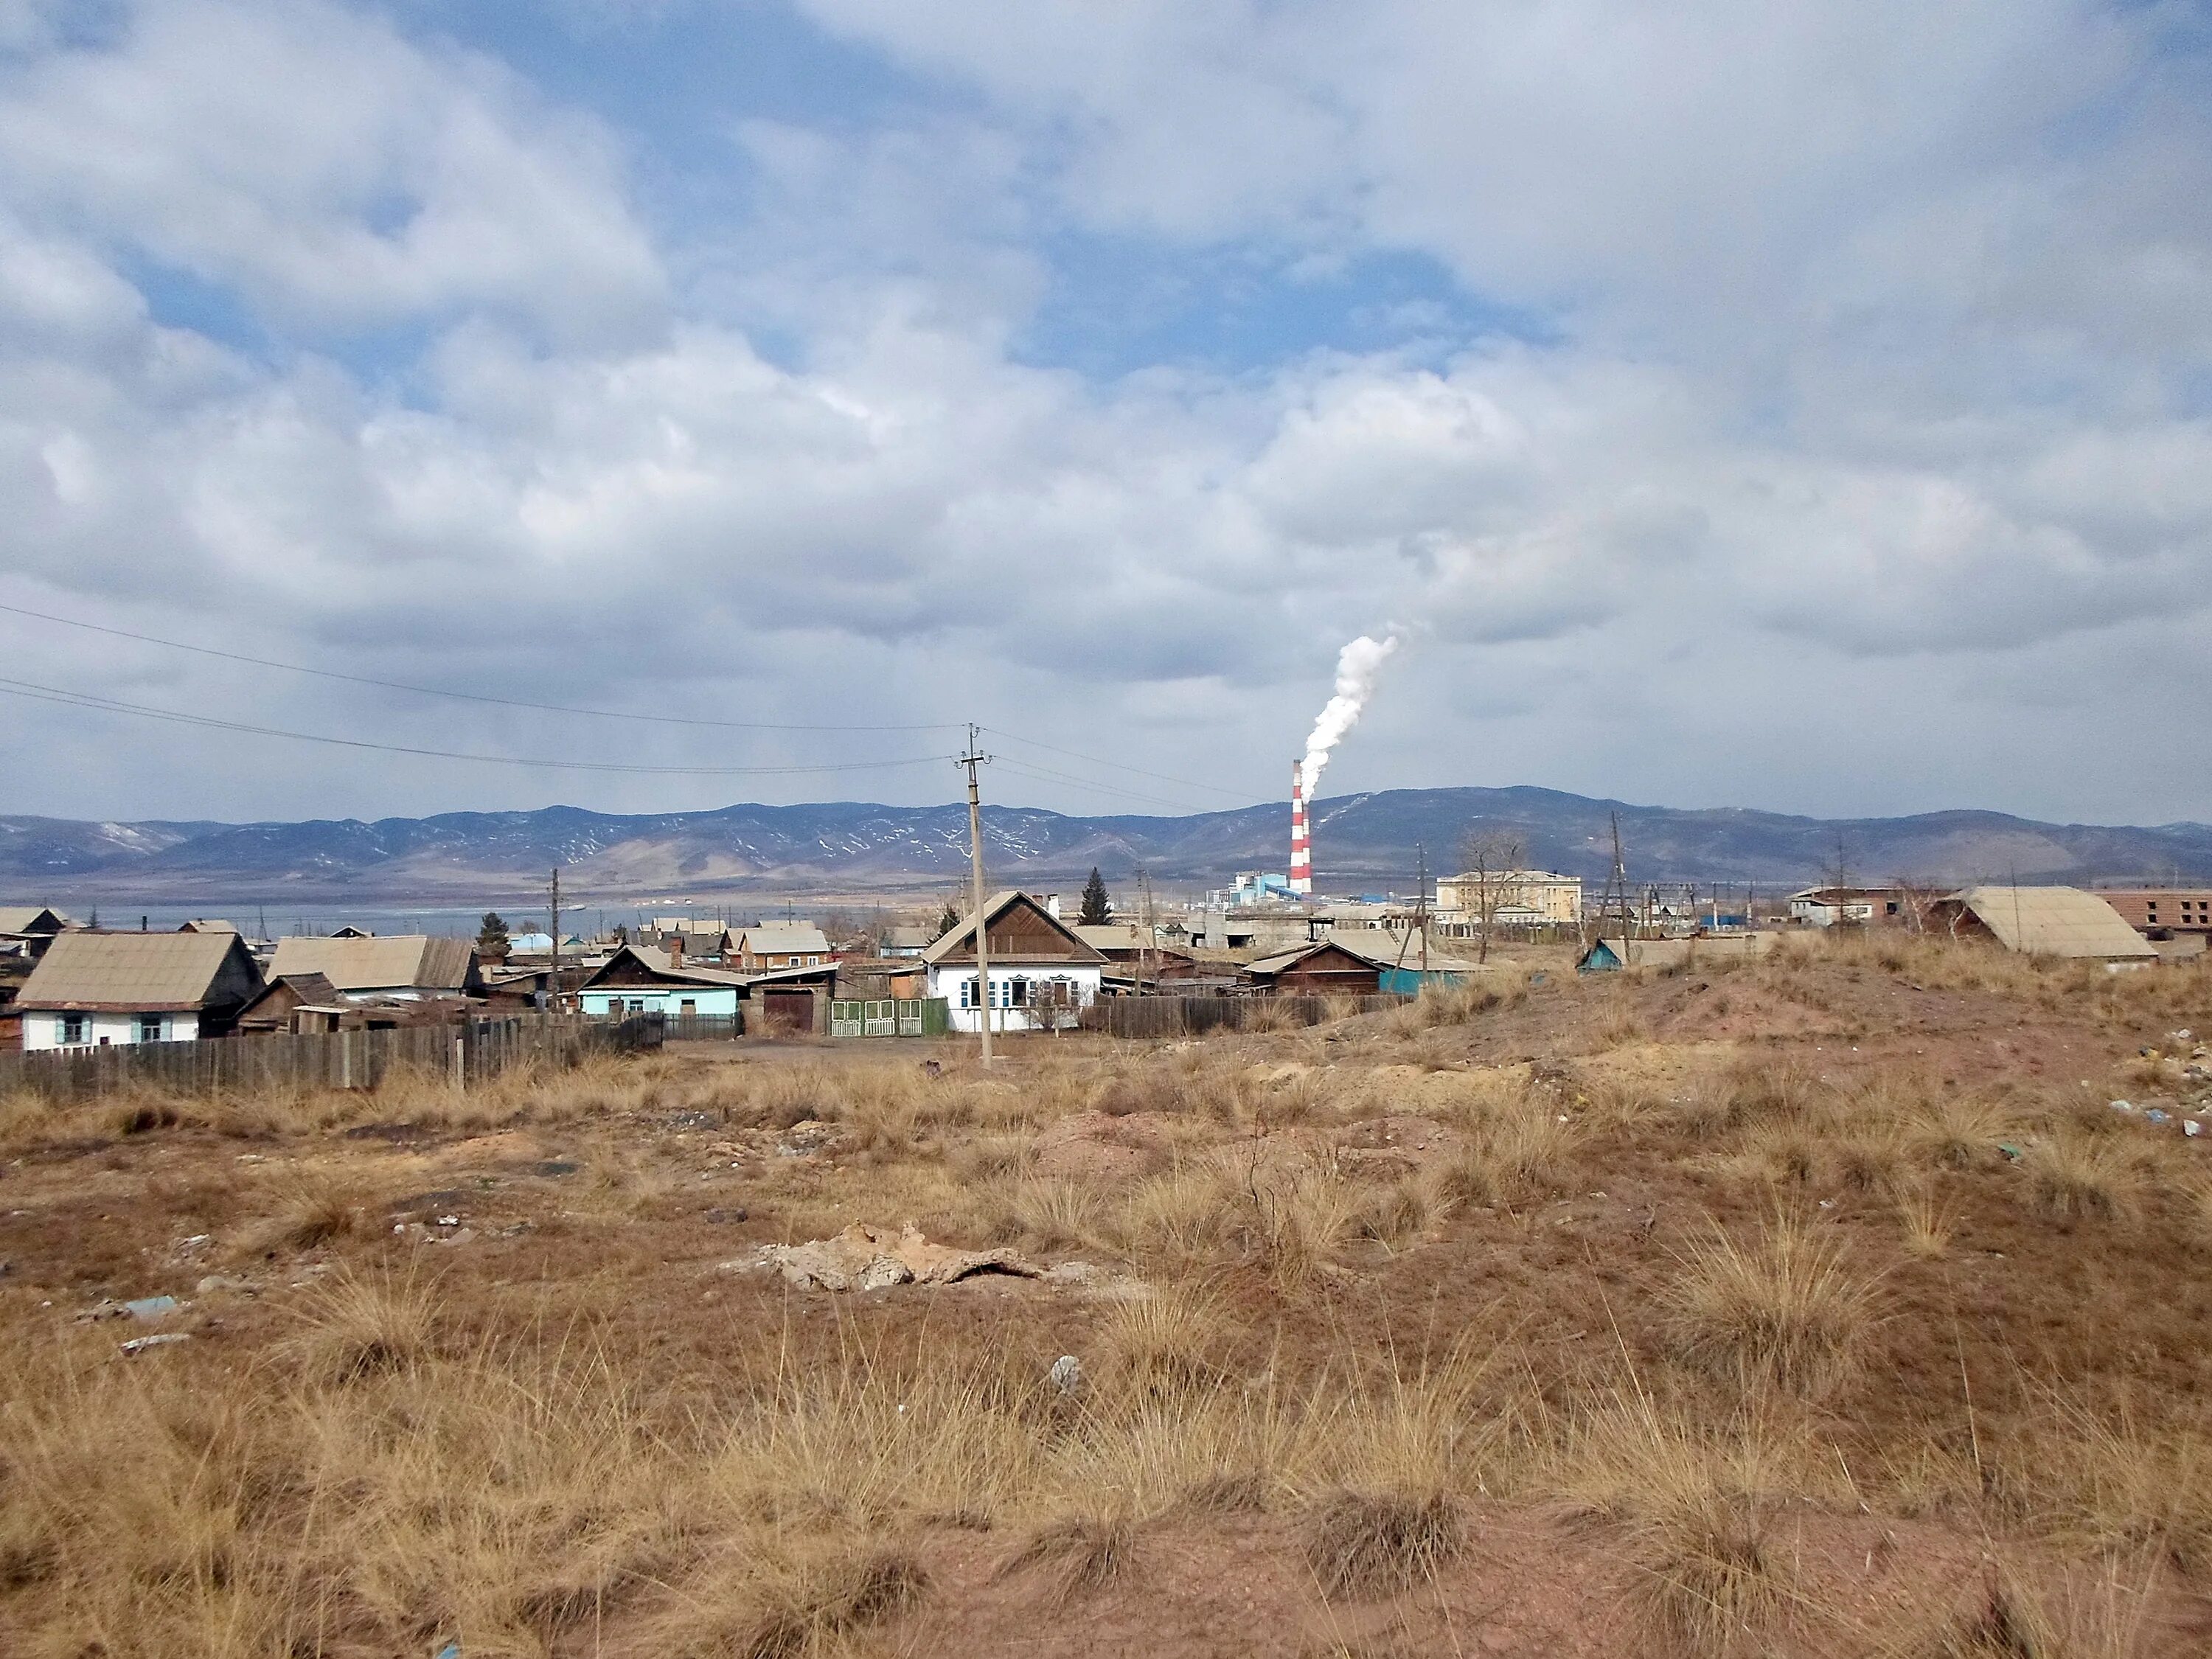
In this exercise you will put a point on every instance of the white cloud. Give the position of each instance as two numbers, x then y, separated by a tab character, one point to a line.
1869	398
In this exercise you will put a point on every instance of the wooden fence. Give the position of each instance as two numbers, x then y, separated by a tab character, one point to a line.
1172	1017
468	1051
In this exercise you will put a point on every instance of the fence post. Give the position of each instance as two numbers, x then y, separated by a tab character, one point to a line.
460	1063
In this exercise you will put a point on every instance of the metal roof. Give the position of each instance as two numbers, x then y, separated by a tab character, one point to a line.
2054	921
131	970
416	961
21	919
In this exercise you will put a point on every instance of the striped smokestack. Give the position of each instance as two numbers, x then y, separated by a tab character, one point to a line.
1301	845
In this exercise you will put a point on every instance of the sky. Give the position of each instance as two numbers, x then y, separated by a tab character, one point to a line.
1798	406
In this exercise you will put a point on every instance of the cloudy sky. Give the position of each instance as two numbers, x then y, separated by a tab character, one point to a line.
1799	406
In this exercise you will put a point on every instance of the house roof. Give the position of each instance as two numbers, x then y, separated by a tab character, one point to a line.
207	924
31	919
660	962
145	971
2054	921
415	960
782	937
995	907
906	938
312	989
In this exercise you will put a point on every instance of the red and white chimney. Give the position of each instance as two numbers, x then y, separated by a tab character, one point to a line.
1301	845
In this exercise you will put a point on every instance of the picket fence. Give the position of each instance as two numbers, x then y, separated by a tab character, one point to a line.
1173	1016
467	1051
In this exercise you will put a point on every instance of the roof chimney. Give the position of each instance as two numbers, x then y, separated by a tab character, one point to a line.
1052	905
676	949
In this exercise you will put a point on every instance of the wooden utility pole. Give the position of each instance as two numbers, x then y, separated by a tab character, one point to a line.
554	995
1144	947
971	760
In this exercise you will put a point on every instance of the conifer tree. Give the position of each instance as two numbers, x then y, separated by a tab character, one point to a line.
1097	909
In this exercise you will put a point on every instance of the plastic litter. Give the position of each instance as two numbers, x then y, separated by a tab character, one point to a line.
2153	1115
2010	1151
451	1650
151	1307
1067	1374
2124	1105
140	1344
2192	1128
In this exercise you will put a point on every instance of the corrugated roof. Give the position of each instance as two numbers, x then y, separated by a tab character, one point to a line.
2055	921
131	970
414	960
21	919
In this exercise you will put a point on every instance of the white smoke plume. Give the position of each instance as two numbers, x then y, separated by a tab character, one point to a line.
1357	665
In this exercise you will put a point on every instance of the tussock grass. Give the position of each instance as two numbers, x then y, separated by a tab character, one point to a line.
1925	1222
1080	1552
1780	1311
1362	1544
359	1325
2073	1176
1692	1511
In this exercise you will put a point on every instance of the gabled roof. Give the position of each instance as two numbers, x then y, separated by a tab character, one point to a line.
207	924
2054	921
661	965
1268	966
140	971
31	919
312	989
415	961
782	938
961	941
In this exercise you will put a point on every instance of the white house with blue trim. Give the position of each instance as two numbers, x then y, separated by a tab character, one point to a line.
1042	973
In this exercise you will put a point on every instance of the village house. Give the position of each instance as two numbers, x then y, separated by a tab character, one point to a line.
98	990
1040	972
905	941
30	929
399	966
638	979
1862	907
770	945
1330	967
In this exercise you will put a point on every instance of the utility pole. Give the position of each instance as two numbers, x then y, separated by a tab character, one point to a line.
1152	934
554	1002
971	760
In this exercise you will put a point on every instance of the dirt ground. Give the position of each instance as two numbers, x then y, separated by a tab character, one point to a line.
1827	1304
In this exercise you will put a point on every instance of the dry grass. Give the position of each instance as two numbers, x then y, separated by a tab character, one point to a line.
1780	1310
1925	1222
573	1434
1692	1511
2074	1176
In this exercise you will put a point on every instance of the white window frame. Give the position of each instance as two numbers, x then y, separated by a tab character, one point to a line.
65	1037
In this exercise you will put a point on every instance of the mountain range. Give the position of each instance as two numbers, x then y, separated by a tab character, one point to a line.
1364	842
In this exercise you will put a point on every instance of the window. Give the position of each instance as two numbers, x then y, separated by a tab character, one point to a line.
150	1028
689	1008
637	1005
1018	993
71	1028
968	993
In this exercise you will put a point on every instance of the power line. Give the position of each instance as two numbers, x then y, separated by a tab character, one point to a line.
69	699
596	713
1189	783
464	697
1024	768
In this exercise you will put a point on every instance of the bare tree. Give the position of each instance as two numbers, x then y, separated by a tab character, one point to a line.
1918	896
1490	862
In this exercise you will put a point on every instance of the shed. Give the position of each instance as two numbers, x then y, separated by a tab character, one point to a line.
403	965
33	927
282	1001
2044	922
1327	969
103	989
